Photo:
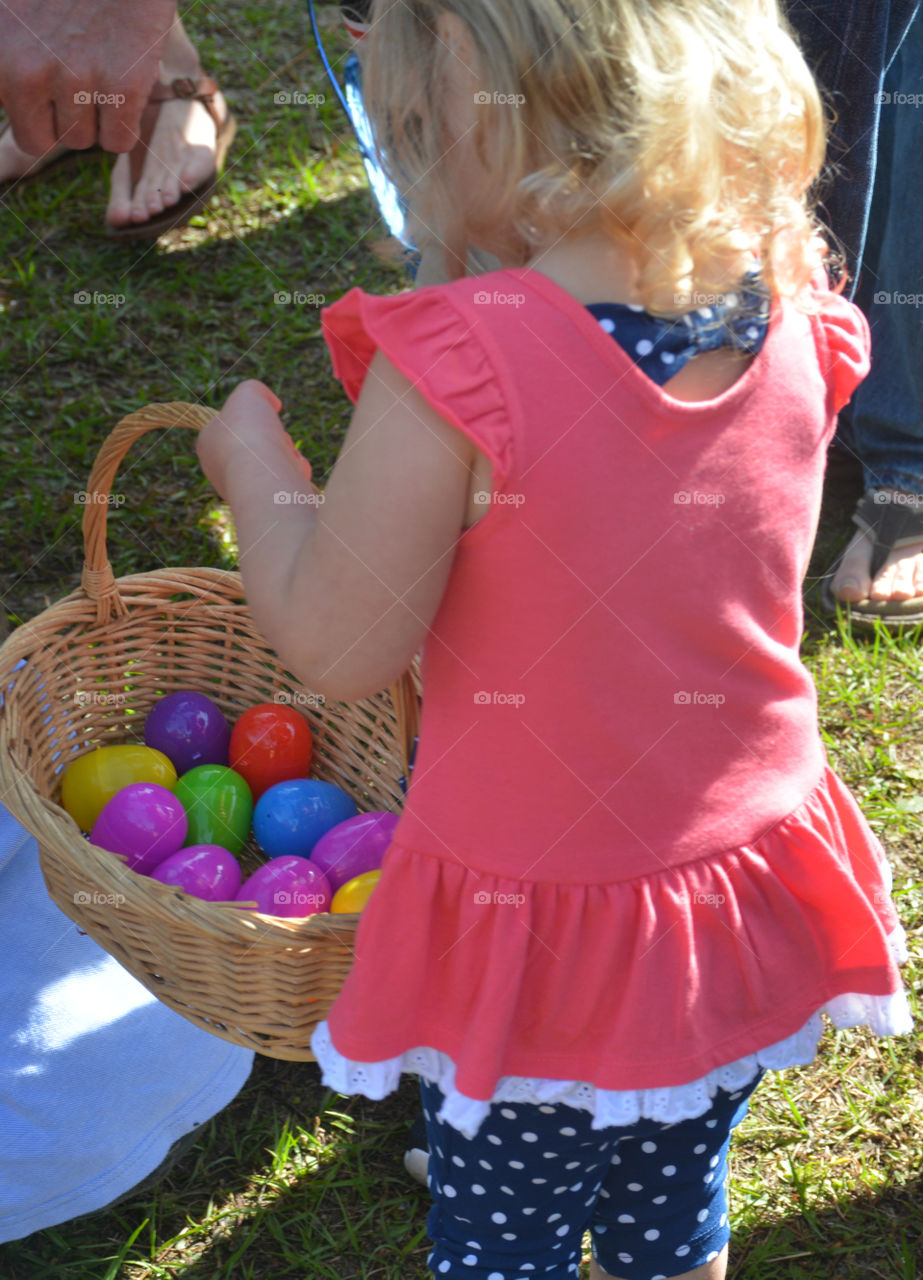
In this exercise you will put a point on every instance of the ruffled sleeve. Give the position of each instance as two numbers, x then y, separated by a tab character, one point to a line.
846	334
429	339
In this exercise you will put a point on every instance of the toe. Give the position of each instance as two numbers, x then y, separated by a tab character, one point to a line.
898	579
170	191
852	581
118	211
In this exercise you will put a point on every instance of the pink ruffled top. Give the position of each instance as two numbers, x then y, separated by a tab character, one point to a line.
623	859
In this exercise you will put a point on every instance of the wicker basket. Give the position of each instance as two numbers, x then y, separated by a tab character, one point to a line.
84	674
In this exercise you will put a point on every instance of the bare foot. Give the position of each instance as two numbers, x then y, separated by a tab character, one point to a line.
16	163
900	577
181	151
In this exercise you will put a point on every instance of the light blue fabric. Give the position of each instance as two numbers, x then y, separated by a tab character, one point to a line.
97	1078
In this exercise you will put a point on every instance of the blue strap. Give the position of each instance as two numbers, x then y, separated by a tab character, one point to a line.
350	97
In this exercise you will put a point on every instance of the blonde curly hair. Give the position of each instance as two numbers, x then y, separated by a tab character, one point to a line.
691	129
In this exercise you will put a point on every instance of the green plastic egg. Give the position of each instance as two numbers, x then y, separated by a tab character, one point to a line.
218	804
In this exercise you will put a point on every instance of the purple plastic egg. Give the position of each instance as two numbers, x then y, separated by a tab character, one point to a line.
204	870
289	886
189	729
145	822
353	847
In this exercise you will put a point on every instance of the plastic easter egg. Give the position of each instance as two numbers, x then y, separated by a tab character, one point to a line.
291	817
354	846
270	743
204	870
291	887
92	780
218	804
145	822
354	894
188	728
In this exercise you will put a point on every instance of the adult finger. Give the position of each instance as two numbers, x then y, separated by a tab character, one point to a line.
29	109
74	109
119	112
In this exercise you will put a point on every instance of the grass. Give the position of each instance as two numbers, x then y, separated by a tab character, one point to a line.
290	1180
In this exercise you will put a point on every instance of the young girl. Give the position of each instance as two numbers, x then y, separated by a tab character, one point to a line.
625	881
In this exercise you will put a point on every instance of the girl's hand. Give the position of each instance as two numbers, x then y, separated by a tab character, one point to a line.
245	432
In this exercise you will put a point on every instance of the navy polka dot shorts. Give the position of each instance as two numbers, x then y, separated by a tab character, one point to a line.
513	1202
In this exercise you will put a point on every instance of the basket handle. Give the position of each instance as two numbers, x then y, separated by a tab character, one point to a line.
98	580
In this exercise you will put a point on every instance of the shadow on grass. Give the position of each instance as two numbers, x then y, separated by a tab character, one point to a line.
864	1236
354	1215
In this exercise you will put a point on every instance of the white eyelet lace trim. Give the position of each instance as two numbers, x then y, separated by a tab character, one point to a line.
884	1015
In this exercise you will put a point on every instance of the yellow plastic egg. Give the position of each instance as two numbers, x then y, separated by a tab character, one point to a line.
92	780
354	894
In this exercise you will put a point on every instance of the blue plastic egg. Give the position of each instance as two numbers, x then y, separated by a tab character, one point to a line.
291	817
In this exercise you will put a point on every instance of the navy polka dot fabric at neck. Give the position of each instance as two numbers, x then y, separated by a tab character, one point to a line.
513	1202
661	347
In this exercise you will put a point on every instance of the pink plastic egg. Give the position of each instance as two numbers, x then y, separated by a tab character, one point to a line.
289	886
143	821
204	870
353	847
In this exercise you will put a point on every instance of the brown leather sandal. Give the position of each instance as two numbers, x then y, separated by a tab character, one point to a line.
203	90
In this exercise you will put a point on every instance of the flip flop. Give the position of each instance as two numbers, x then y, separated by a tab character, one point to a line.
892	523
177	215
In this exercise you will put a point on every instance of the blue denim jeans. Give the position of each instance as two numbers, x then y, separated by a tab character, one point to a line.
872	73
884	426
850	45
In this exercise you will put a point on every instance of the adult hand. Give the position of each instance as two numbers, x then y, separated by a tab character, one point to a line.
79	72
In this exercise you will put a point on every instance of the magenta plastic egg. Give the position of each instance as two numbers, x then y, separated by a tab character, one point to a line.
353	847
189	729
204	870
143	821
289	886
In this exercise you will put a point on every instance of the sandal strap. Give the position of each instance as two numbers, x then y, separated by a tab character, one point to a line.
891	520
202	88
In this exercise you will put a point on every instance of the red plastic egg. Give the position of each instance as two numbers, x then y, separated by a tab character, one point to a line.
270	743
